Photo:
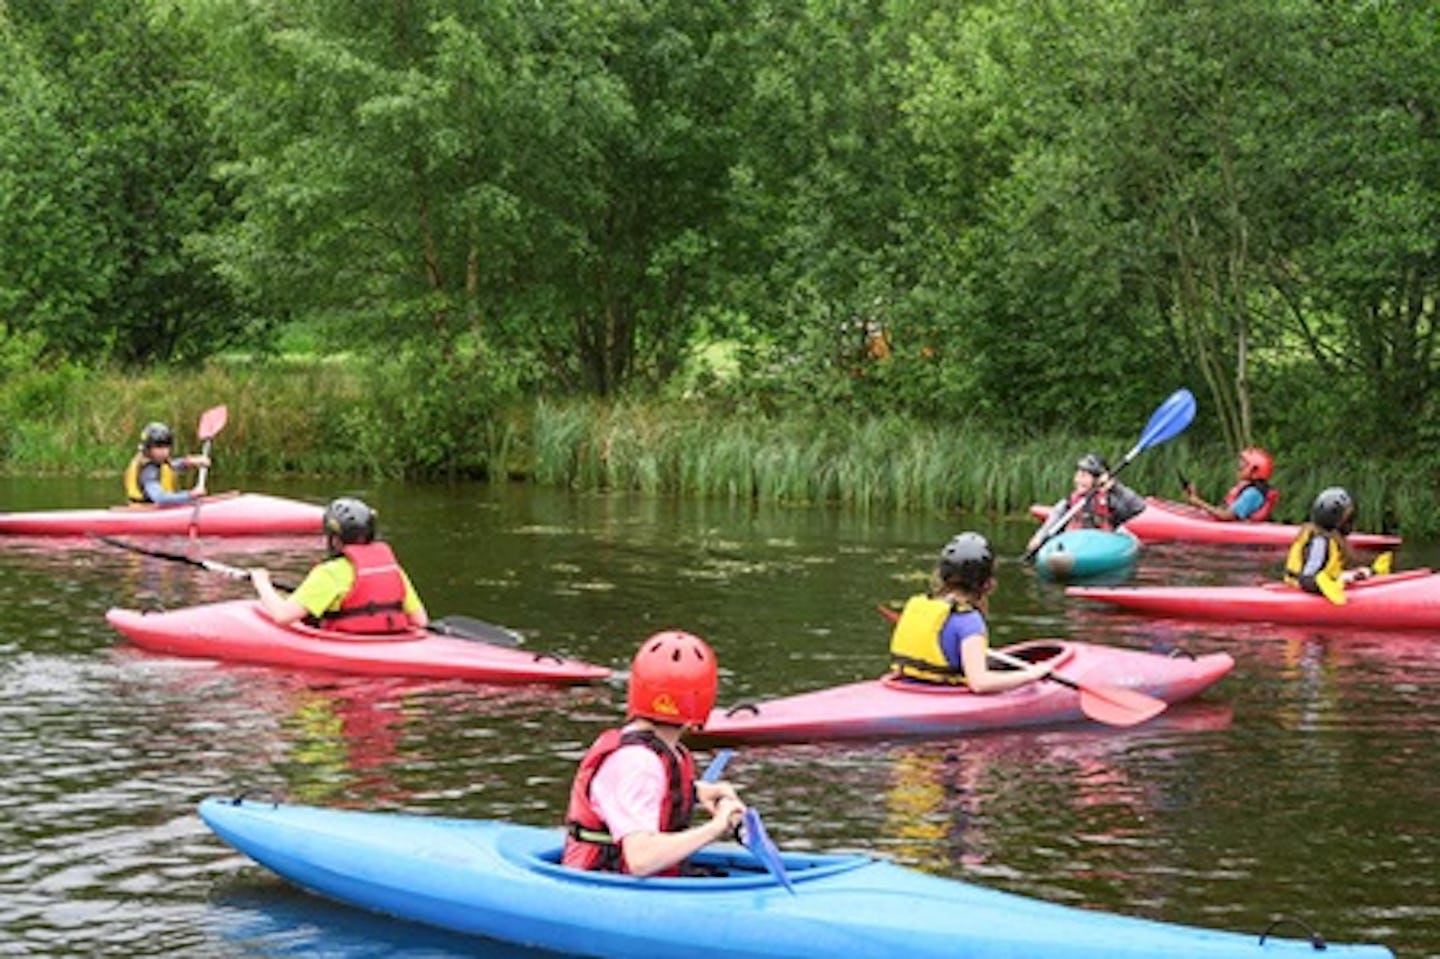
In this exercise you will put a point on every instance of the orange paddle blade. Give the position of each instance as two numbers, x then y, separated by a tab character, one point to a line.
1118	706
212	421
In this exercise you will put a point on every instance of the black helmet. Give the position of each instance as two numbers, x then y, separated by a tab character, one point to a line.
967	561
1094	464
350	521
1334	509
156	434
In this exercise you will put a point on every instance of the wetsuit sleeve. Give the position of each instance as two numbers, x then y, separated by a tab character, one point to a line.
324	587
1125	504
628	791
411	604
1317	552
155	493
1245	505
958	627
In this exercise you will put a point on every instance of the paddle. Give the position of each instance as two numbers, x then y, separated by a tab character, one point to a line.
1168	421
1102	702
212	421
752	831
717	766
460	627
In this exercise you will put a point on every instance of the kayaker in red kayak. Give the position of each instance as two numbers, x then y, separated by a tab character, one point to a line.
360	588
941	636
1252	498
1321	559
632	797
153	477
1104	503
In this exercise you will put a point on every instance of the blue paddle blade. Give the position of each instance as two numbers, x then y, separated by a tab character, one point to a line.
717	766
757	840
1169	419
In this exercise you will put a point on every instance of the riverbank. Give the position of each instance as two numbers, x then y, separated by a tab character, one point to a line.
326	418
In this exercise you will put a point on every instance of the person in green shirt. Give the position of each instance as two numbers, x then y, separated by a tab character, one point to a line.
360	588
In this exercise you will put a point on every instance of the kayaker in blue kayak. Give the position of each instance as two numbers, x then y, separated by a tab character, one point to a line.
1321	559
1252	498
941	636
360	588
632	797
152	476
1096	501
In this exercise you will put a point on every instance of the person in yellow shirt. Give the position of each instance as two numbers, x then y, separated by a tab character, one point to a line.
360	588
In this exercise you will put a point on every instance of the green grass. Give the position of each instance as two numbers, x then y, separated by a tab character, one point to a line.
340	419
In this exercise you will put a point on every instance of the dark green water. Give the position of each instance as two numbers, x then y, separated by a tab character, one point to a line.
1305	784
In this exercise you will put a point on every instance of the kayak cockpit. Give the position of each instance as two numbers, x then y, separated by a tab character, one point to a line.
722	867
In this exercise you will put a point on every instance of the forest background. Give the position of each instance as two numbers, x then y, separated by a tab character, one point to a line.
895	254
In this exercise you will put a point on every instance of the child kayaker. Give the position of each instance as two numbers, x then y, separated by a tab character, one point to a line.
1102	502
360	588
941	636
1321	559
633	794
1252	498
153	477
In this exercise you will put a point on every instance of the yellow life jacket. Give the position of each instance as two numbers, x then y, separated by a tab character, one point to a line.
1295	559
169	480
915	651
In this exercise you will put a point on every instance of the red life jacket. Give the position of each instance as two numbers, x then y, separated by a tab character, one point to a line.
1093	515
587	844
1271	496
376	601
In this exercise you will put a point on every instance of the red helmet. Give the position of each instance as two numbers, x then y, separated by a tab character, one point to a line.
673	679
1258	463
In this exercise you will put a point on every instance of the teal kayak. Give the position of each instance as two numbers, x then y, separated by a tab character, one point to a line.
1083	553
504	882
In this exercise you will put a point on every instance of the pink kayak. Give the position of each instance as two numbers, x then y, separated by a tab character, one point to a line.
1405	600
238	630
226	514
1166	521
889	708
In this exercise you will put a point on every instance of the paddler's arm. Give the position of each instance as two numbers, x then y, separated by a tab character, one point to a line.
413	608
282	609
647	853
974	653
1043	533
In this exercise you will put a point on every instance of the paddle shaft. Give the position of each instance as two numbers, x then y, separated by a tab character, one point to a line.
461	627
1016	661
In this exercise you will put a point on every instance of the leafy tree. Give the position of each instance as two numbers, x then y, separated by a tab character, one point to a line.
134	188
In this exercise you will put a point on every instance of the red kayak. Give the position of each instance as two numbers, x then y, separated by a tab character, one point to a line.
226	514
1164	521
890	708
1405	600
238	630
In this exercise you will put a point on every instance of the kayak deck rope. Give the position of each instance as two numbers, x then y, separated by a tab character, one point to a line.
1317	941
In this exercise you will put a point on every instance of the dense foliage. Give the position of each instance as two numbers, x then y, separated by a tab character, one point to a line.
1041	216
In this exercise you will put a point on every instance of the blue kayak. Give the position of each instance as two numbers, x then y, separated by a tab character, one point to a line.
1082	553
503	881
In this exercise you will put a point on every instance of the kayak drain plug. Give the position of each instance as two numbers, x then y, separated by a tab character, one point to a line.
1317	941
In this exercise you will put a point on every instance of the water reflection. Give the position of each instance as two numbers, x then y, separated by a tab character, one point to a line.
260	918
1304	783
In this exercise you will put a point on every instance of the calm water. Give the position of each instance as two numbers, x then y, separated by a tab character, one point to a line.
1306	784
